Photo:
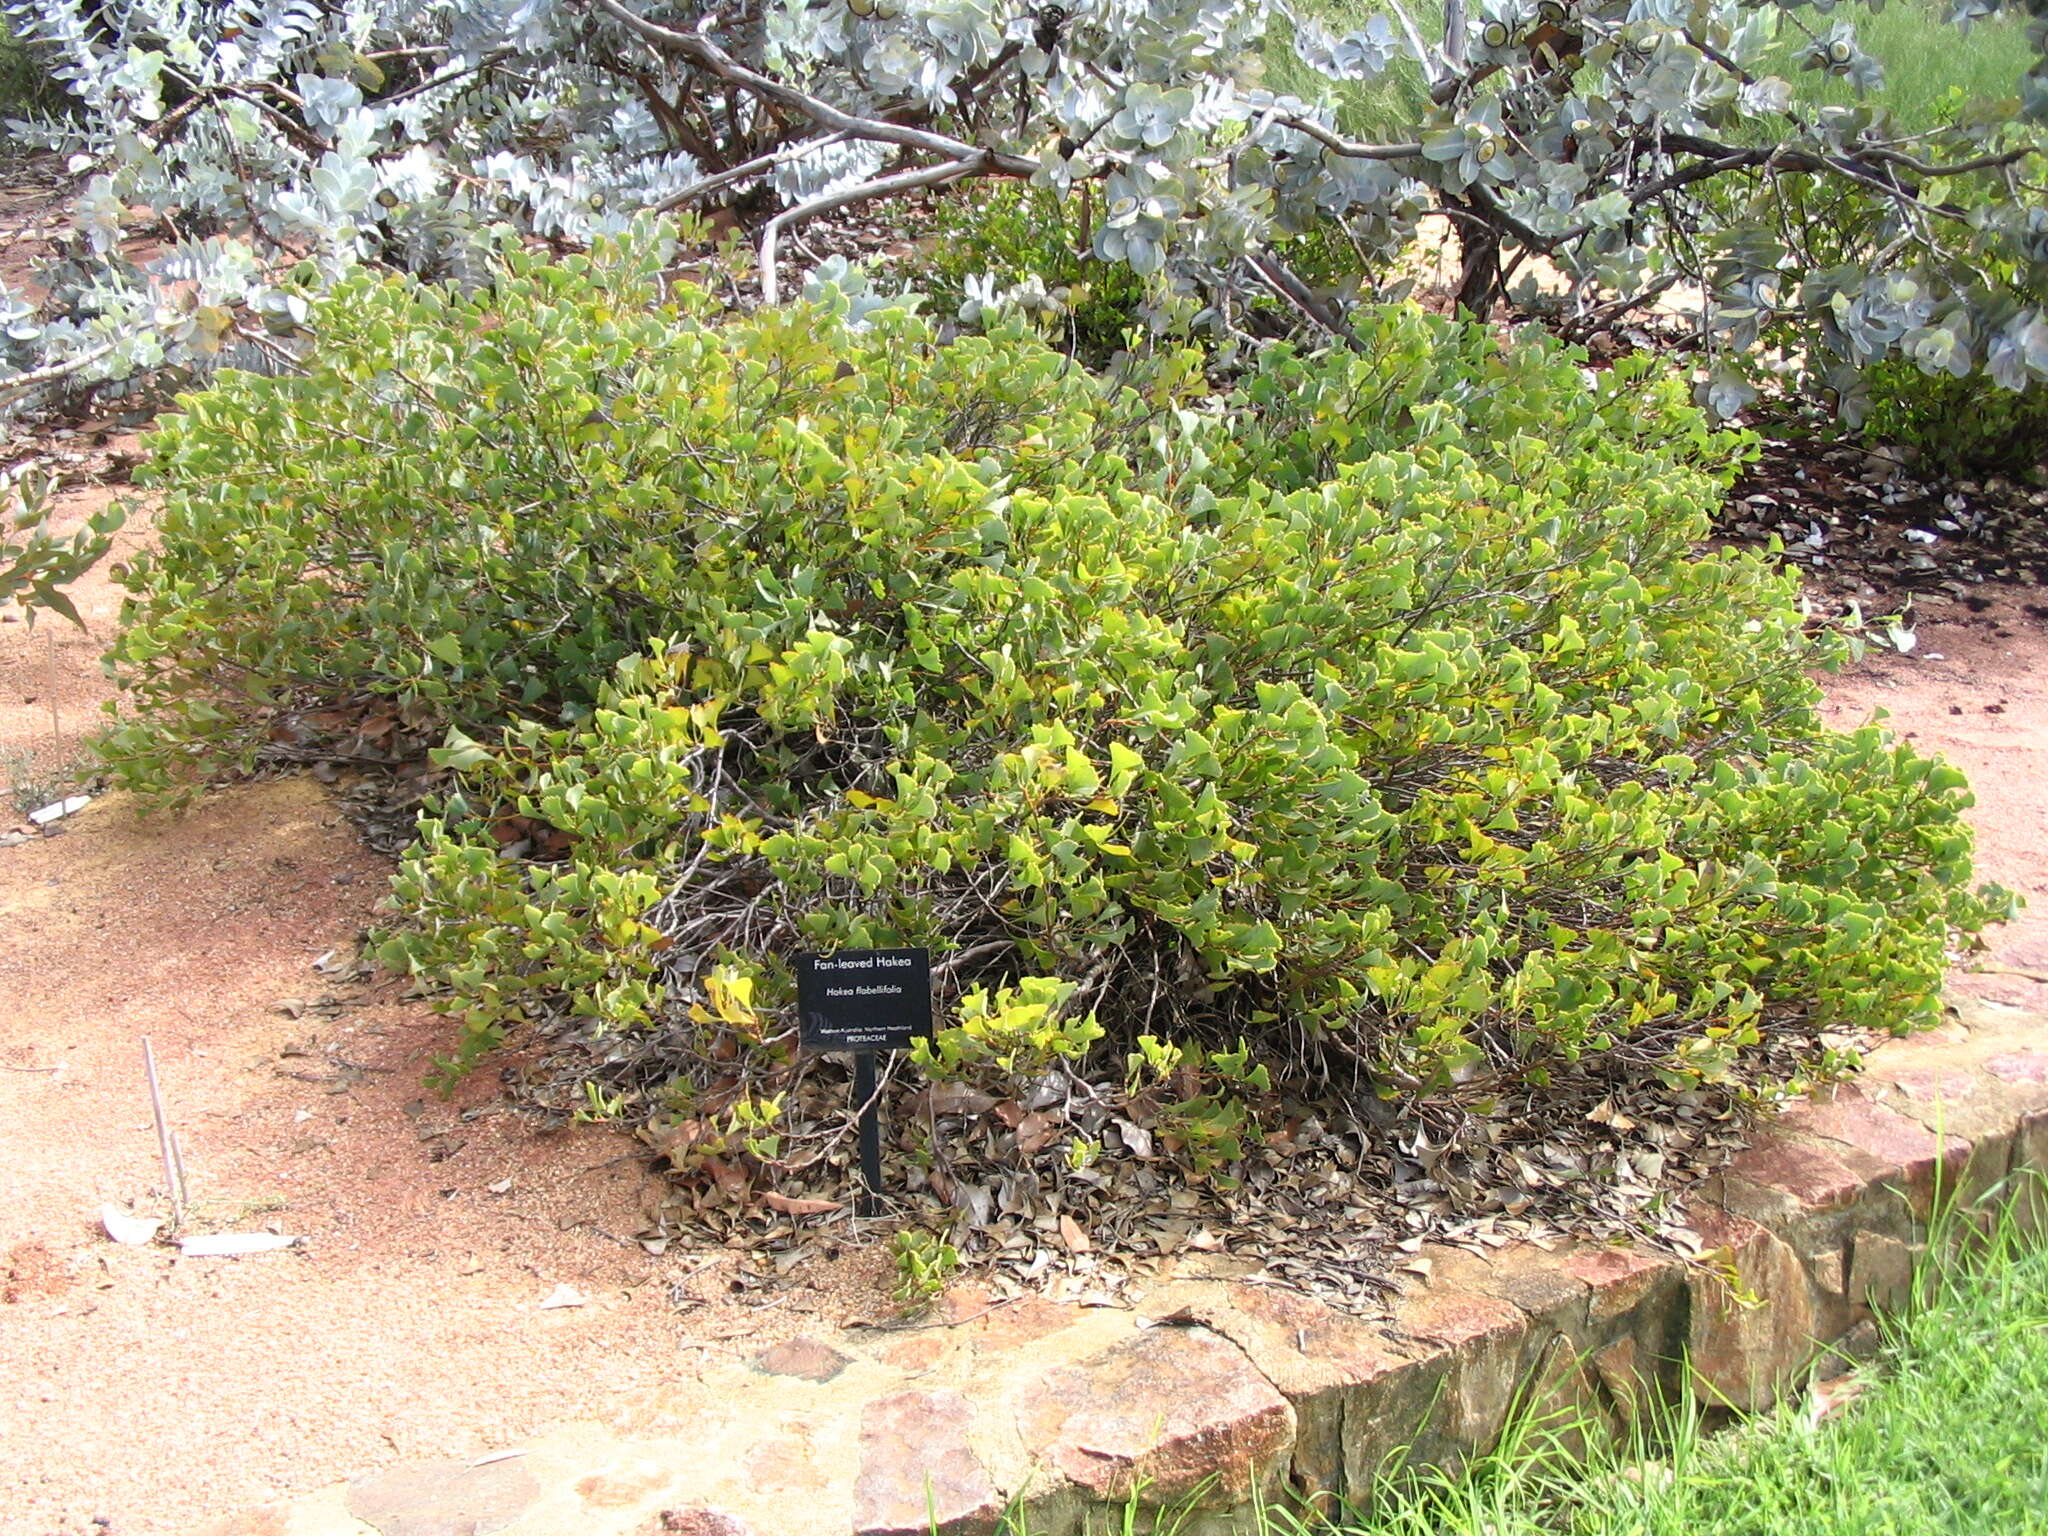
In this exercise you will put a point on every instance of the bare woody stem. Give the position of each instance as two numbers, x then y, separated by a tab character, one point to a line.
706	55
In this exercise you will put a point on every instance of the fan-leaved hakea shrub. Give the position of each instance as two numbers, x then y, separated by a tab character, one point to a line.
1646	148
1374	737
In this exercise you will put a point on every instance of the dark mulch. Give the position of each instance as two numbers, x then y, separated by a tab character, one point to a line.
1864	527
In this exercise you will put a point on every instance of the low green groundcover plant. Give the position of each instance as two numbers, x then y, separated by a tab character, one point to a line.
1374	733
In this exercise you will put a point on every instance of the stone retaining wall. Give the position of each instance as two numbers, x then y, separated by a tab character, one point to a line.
1213	1393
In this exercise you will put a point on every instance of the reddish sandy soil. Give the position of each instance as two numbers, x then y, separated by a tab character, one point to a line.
1975	690
29	216
153	1390
140	1391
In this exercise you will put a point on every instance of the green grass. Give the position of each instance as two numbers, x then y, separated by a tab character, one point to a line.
1386	108
1930	66
1951	1438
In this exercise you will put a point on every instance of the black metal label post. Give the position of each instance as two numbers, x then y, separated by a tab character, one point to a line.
864	1001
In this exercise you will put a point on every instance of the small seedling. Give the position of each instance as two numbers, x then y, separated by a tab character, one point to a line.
924	1263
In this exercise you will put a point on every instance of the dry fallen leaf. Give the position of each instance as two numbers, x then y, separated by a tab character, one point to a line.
789	1205
1033	1132
731	1182
675	1140
958	1099
1073	1236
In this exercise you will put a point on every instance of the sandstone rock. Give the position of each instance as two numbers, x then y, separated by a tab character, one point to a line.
320	1514
1168	1415
270	1520
2019	1066
2030	1176
1881	1272
1813	1178
1748	1341
1827	1272
918	1474
443	1498
623	1484
1565	1396
915	1355
1630	1381
1017	1323
963	1303
1922	1081
1954	1103
1318	1357
1909	1151
1621	1281
1526	1278
804	1357
1855	1119
1830	1273
1453	1400
789	1463
1301	1345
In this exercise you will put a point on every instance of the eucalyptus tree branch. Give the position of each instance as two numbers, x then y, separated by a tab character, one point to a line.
706	55
1851	167
1710	51
21	383
1492	214
881	186
434	82
1451	84
446	157
760	165
1715	159
1601	316
1275	275
979	77
1338	144
1790	158
308	142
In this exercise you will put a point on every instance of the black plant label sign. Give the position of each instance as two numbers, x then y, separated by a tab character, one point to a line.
865	999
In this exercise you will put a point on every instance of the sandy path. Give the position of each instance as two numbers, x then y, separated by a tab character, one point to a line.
1975	689
149	1391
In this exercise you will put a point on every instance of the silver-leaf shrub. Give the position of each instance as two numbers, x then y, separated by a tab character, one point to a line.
1634	145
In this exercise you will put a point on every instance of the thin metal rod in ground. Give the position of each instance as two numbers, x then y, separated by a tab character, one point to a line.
868	1197
56	720
178	1164
174	1182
